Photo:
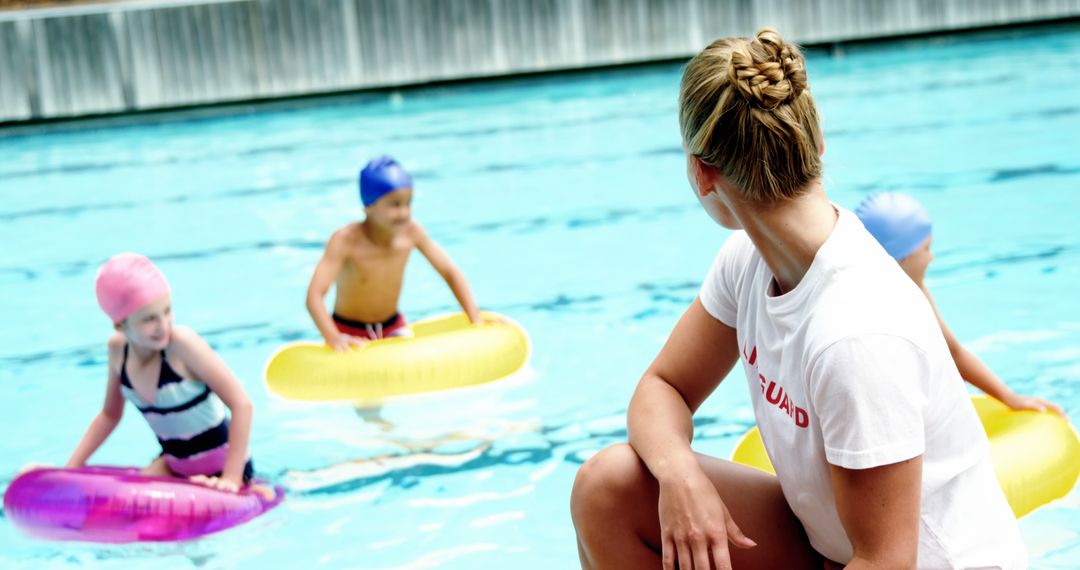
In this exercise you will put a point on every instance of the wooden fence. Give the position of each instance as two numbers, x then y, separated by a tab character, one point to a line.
122	57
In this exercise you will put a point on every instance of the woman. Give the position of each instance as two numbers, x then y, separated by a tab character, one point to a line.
880	458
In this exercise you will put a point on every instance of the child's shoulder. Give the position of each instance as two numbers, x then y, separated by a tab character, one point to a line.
188	352
185	345
415	231
184	337
116	340
347	235
116	343
351	229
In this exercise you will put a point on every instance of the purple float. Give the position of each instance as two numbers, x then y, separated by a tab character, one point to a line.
117	505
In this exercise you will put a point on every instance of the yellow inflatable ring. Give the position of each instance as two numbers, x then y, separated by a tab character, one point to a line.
445	352
1036	455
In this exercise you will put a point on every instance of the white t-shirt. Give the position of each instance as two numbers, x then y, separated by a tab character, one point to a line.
850	368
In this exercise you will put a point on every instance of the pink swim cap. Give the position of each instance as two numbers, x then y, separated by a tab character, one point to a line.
127	282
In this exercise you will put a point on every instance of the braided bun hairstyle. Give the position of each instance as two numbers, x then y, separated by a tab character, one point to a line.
745	109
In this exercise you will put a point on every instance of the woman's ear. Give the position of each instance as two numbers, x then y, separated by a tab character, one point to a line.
821	146
704	176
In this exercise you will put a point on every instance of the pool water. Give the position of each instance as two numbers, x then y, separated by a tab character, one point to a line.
564	200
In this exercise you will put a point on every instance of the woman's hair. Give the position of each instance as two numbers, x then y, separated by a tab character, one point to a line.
745	109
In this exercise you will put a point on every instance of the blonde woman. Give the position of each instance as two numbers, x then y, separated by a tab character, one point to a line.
880	459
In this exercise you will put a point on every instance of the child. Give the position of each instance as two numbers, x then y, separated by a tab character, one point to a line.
174	378
881	461
902	226
367	262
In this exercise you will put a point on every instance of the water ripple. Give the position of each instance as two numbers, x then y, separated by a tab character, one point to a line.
1030	171
573	443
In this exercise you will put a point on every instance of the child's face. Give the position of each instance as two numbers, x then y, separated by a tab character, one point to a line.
916	262
394	210
151	326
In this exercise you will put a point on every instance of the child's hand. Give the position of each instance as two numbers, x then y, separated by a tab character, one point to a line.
345	343
1018	402
219	483
30	467
263	491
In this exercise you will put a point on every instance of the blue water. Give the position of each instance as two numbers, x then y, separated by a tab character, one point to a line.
565	202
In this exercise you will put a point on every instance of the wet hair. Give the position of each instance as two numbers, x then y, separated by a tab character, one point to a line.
746	110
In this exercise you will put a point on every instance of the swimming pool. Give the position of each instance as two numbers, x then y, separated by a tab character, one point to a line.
565	202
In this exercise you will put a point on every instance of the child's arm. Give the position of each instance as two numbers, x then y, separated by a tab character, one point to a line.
450	273
204	364
978	374
111	411
325	274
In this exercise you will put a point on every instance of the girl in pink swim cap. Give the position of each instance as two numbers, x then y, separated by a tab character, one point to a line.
171	375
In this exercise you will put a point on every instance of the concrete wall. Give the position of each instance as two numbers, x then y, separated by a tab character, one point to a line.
121	57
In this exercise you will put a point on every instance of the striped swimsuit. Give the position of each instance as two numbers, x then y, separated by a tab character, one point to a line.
188	419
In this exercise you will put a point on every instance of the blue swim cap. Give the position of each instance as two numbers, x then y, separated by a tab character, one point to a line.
380	177
897	221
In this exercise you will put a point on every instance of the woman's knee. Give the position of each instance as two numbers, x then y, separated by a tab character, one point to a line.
605	483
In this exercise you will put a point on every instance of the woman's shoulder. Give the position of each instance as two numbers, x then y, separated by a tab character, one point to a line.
722	291
735	256
737	248
875	303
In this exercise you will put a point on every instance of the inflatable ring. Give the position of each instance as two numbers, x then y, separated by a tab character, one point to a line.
444	352
117	505
1036	455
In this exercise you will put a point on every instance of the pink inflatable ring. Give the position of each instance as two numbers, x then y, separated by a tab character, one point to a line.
116	504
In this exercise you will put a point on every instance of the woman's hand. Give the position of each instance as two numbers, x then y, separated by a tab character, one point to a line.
1018	402
227	484
695	526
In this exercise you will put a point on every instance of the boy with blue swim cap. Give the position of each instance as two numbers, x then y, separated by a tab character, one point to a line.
897	221
902	226
381	176
366	260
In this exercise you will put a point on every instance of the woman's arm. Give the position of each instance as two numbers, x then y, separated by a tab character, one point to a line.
449	272
111	411
879	508
207	366
869	393
694	521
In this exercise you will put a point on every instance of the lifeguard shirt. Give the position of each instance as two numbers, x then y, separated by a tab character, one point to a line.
850	368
